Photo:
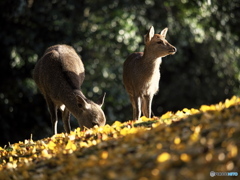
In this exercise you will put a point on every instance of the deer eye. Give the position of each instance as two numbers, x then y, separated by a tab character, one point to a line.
80	105
160	42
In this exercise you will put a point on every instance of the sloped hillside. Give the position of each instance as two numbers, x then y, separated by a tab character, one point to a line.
188	144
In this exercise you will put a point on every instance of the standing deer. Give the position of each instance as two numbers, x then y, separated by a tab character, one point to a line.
59	75
141	73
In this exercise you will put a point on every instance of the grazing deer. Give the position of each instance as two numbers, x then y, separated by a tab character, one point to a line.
59	75
141	72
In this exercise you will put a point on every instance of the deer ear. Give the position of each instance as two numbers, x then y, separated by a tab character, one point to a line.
81	102
149	35
164	32
101	100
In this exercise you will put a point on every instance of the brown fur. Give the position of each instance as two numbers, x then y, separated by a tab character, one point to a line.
141	73
59	75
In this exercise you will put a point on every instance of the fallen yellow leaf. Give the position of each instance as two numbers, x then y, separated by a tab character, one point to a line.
163	157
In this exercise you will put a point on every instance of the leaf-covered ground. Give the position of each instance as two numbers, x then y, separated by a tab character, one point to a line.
188	144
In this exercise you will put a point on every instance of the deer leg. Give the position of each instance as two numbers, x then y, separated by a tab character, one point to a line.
144	106
133	106
53	112
147	105
137	101
66	120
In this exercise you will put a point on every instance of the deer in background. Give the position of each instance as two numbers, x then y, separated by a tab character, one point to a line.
141	73
59	75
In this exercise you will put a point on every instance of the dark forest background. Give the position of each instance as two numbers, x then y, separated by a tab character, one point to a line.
205	69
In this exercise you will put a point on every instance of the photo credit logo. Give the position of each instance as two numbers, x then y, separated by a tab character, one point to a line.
213	173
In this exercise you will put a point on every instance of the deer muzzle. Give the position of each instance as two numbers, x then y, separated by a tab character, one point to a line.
173	50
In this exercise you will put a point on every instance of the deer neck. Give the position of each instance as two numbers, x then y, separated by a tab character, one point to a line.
151	59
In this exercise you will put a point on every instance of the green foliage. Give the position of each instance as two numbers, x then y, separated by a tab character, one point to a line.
204	70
